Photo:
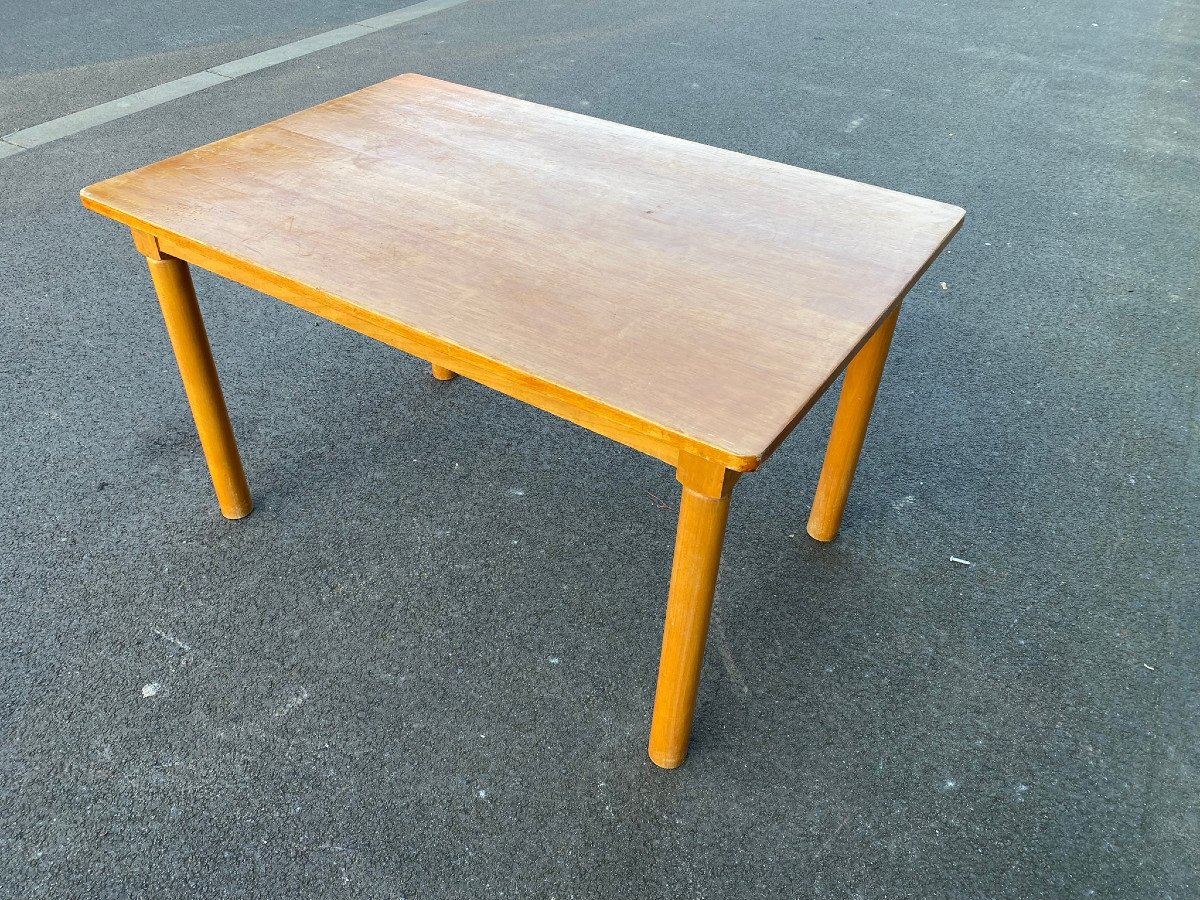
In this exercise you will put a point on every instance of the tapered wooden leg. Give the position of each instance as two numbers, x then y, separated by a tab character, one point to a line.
185	327
441	373
859	387
703	510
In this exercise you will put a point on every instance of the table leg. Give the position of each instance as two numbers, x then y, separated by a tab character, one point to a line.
703	511
441	373
185	326
859	387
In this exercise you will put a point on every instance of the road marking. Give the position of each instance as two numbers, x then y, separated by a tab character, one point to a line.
294	50
36	135
407	14
113	109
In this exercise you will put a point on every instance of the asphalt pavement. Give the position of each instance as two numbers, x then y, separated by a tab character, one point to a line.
424	666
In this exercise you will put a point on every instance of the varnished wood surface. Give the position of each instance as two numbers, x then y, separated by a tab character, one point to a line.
676	297
859	388
185	326
703	512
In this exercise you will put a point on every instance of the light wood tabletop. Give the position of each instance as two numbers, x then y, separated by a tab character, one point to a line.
684	300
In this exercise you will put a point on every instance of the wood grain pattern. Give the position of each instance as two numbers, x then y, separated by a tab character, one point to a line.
675	297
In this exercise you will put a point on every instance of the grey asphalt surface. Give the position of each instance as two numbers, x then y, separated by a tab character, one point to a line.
424	666
60	57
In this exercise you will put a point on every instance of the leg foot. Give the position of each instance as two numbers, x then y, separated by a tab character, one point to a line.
859	388
441	373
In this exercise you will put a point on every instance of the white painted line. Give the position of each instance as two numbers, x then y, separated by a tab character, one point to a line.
294	50
113	109
11	144
408	13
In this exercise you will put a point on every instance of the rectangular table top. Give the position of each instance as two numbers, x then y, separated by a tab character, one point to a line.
698	297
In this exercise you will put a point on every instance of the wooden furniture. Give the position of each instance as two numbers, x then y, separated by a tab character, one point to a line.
683	300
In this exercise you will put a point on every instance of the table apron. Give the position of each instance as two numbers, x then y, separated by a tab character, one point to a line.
664	447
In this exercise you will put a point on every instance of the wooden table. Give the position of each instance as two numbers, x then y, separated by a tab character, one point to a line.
686	301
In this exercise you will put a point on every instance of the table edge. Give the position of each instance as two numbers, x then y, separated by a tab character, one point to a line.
588	412
841	367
